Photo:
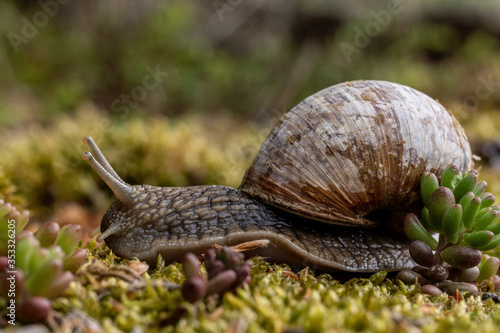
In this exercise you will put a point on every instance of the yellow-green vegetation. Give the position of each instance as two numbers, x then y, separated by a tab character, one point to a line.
276	300
46	163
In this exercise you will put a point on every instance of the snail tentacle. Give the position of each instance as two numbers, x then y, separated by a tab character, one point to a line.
101	159
122	190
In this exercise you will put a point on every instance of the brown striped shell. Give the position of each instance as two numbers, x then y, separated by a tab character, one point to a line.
355	149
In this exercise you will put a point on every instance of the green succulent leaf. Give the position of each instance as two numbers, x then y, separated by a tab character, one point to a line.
40	281
461	256
466	199
488	268
480	188
75	260
466	184
493	244
59	284
450	287
487	199
450	176
452	223
494	227
425	218
440	201
415	231
487	219
421	253
479	239
463	275
25	249
428	184
470	213
410	277
69	237
47	234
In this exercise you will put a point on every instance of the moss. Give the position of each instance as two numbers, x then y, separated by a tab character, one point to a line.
45	162
275	301
8	191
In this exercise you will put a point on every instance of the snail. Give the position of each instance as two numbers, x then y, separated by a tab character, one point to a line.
323	189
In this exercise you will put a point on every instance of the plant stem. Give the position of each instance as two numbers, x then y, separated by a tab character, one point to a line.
442	244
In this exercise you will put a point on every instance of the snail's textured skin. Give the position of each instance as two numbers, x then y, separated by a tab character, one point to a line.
351	154
355	148
173	221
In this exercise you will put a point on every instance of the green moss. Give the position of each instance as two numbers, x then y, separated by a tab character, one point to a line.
45	162
272	302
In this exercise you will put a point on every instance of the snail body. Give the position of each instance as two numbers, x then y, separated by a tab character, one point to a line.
338	164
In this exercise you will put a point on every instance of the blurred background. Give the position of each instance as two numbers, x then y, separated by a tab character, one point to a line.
181	93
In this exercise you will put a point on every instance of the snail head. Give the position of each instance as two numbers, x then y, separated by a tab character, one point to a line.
126	194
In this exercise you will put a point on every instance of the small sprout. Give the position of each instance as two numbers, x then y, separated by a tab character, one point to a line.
226	271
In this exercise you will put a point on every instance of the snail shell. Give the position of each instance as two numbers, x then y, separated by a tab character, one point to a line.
354	150
347	155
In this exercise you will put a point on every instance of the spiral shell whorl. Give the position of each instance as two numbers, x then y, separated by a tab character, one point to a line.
355	148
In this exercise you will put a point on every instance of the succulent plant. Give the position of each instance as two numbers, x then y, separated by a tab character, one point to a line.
467	221
226	271
35	267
